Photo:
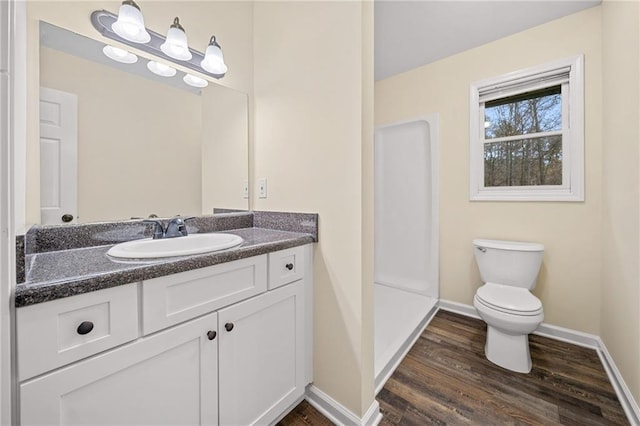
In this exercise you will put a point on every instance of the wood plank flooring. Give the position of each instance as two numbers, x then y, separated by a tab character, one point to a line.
445	379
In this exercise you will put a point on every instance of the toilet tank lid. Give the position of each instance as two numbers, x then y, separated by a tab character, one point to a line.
508	245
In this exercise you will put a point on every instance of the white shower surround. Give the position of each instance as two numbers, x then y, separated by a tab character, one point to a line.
406	237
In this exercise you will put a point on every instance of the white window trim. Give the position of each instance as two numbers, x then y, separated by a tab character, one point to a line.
573	140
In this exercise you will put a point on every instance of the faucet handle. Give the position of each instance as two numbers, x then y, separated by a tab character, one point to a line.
177	227
158	229
183	229
185	219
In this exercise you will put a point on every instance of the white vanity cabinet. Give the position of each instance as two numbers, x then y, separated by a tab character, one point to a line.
169	378
261	359
215	347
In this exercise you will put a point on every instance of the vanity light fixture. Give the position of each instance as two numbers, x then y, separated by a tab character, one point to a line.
212	64
161	69
130	23
213	60
119	55
195	81
176	44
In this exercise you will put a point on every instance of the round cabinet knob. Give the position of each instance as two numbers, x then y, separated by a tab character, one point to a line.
211	334
289	266
85	327
66	218
228	326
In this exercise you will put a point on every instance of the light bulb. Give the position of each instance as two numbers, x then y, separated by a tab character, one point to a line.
176	45
213	61
130	23
161	69
119	55
194	81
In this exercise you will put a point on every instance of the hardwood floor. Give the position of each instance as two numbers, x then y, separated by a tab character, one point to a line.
303	415
446	379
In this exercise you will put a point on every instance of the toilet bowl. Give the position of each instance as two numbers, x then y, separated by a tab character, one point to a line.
509	270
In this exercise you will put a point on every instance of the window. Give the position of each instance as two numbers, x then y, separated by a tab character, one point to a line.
527	134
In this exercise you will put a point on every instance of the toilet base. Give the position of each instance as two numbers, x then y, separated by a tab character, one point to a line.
508	350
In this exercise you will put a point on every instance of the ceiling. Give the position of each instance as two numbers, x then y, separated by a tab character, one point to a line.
409	34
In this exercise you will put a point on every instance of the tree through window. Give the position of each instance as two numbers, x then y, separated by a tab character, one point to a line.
526	142
535	157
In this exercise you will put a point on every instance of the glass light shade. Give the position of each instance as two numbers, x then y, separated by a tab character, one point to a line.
130	23
175	45
194	81
213	61
119	55
161	69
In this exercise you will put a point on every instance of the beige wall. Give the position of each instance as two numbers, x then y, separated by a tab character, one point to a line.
132	158
569	281
225	149
312	126
230	21
621	188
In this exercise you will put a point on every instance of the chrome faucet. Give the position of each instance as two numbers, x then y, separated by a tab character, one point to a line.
158	229
175	228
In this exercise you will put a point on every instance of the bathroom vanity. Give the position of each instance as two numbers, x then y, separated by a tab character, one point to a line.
228	343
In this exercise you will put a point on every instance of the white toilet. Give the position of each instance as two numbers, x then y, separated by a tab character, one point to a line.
509	270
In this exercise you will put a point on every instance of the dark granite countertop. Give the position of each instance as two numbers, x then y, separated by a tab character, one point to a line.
57	274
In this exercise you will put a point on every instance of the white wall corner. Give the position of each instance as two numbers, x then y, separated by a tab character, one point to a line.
628	402
338	413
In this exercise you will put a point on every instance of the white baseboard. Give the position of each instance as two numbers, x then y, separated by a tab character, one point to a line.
629	404
458	308
338	413
567	335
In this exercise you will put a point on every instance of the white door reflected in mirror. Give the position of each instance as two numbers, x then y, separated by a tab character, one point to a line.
58	157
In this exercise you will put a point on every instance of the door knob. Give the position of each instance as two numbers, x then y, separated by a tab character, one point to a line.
211	334
228	326
289	266
66	218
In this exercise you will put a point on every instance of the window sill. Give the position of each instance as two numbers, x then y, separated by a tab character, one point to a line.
524	196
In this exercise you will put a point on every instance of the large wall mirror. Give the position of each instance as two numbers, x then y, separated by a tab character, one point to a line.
146	145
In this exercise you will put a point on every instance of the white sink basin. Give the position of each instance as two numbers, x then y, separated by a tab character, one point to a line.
180	246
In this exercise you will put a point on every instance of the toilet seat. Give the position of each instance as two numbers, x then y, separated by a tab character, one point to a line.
508	299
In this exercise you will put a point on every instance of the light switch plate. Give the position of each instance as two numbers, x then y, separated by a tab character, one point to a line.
245	189
262	187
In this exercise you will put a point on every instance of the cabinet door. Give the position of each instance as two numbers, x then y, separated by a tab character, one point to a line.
261	359
169	378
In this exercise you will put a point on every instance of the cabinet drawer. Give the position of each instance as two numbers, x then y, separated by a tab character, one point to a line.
176	298
50	334
286	266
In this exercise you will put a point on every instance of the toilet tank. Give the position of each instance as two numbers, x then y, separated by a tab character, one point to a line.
512	263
